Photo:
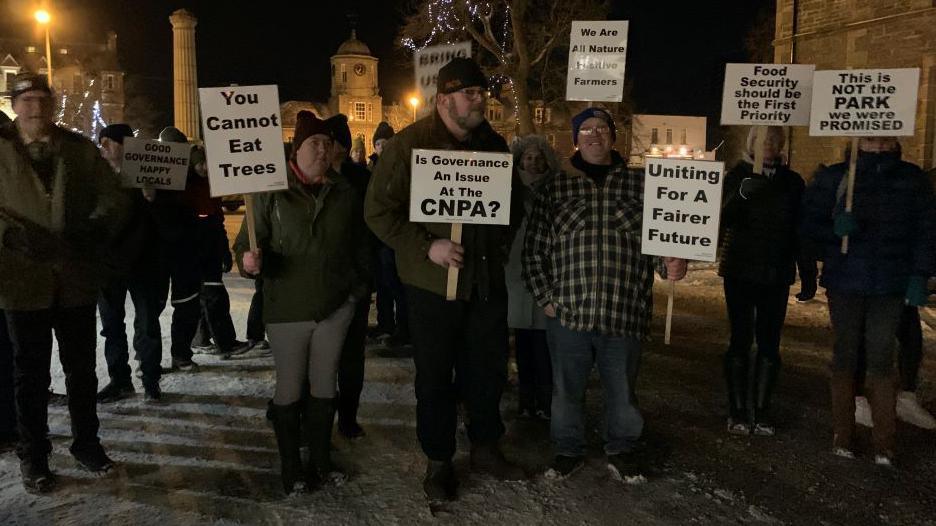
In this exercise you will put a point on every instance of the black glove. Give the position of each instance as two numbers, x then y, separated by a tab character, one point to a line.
750	186
807	290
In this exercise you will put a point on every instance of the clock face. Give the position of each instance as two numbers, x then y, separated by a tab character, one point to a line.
359	69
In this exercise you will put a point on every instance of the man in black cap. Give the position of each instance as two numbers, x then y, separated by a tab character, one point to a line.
59	204
467	336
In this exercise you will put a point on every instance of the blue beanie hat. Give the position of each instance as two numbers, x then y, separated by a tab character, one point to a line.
587	114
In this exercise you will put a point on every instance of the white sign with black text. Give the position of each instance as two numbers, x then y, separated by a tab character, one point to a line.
428	61
460	187
864	102
682	206
243	139
597	54
767	94
153	164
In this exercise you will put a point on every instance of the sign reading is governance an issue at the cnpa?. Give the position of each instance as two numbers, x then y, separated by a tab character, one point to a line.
460	187
243	139
864	102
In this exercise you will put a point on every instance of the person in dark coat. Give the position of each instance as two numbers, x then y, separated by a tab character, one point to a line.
890	255
8	434
758	259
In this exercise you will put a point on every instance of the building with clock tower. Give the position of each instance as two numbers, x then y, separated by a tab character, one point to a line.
354	88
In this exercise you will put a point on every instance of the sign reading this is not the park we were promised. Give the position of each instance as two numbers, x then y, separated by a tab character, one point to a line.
682	205
597	54
460	187
154	164
864	102
243	139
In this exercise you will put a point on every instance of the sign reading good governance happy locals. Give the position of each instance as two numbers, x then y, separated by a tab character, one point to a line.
864	102
460	187
154	164
243	139
767	94
682	205
597	54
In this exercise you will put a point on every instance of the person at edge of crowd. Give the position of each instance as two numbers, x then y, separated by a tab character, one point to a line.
351	366
312	254
357	152
467	336
176	219
392	312
537	165
890	255
133	255
758	260
8	435
60	203
582	261
214	260
909	358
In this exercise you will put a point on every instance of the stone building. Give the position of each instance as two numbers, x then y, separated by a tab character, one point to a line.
86	77
842	34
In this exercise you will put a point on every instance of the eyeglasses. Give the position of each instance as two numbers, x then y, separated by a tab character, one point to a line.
597	130
473	93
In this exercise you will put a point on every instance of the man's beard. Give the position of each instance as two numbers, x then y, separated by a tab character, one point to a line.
469	122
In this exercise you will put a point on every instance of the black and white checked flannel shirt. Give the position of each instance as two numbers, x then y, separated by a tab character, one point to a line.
582	252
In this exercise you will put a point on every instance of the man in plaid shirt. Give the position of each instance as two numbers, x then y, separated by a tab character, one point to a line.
582	262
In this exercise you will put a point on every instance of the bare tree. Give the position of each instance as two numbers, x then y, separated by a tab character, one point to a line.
524	43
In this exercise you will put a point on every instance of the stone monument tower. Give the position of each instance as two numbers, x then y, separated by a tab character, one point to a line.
354	88
185	73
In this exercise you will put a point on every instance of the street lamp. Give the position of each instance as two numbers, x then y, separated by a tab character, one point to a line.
414	102
43	18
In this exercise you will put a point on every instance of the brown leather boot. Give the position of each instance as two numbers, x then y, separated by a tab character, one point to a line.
843	410
882	397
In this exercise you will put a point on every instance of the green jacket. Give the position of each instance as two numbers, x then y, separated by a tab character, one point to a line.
386	209
314	249
53	241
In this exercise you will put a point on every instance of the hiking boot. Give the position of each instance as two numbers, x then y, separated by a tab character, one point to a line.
738	426
37	478
440	482
885	461
206	349
184	365
259	345
624	468
910	411
490	460
239	347
114	391
93	458
564	466
763	429
863	412
843	452
152	394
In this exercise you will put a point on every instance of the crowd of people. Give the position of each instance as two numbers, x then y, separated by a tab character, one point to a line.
567	278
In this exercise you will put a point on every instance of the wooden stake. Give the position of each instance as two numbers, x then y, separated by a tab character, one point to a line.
760	137
850	189
249	218
669	311
451	288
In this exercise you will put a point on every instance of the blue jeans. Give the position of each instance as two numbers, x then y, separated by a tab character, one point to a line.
618	358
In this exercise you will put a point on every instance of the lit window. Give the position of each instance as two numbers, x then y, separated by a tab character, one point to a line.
108	82
538	115
654	136
685	132
360	111
669	136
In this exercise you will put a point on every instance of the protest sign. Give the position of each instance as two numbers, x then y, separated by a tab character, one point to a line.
460	187
767	94
154	165
428	61
682	205
597	53
864	102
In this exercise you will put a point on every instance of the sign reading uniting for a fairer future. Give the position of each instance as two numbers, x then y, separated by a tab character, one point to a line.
460	187
243	139
154	164
864	102
767	94
682	206
597	54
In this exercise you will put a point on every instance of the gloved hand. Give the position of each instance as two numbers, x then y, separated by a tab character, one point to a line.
750	186
845	224
807	290
916	291
227	261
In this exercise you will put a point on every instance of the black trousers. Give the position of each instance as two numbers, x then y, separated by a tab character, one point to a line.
31	335
147	334
909	351
7	398
469	339
256	330
178	265
351	365
215	320
534	369
755	312
392	311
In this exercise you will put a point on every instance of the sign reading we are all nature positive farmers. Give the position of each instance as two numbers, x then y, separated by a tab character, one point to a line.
864	102
460	187
767	94
243	139
682	206
597	54
154	164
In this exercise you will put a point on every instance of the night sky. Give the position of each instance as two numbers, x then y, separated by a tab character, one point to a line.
676	50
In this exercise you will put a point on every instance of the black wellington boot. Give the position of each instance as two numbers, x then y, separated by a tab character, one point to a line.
736	378
288	438
766	378
319	416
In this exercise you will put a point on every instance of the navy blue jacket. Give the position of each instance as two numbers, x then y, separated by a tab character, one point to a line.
893	208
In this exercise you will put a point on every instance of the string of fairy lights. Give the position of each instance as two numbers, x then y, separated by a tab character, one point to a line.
76	120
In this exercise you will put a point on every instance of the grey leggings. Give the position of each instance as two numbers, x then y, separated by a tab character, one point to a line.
308	349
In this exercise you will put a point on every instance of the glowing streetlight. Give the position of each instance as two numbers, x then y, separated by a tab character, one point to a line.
414	102
44	18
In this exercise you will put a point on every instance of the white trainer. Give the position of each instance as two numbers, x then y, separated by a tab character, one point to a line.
910	411
863	412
